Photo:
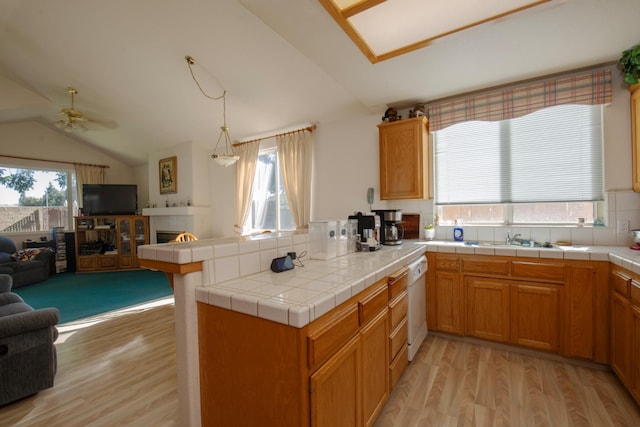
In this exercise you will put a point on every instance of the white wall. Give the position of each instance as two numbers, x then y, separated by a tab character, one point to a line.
193	172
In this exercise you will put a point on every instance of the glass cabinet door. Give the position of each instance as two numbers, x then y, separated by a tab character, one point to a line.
125	236
141	232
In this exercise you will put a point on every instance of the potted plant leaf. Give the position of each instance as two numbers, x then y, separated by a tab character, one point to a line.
630	65
429	232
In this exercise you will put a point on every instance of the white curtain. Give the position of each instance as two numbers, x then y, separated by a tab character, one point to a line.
295	153
86	174
245	173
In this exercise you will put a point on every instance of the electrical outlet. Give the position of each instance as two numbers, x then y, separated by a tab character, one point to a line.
623	226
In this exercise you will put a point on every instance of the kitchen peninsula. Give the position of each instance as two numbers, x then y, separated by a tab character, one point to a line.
552	299
257	345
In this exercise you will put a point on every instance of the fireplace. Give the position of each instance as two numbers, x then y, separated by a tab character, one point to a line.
166	236
166	223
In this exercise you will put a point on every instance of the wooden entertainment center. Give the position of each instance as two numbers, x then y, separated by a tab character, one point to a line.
109	242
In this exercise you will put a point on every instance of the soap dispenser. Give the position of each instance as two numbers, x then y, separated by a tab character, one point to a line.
458	233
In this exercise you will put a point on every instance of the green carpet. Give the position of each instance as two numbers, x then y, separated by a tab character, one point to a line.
78	295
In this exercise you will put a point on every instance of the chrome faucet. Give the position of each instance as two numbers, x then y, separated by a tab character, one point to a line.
510	240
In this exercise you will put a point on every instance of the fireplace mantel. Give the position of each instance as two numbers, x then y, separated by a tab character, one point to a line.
176	210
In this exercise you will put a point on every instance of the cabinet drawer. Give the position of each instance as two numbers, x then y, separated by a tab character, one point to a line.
328	338
538	270
620	282
486	266
398	338
398	282
398	310
447	262
397	367
370	306
634	293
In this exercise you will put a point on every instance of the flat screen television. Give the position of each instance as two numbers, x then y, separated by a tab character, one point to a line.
109	199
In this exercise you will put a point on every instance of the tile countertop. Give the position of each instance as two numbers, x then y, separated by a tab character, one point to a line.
619	255
299	296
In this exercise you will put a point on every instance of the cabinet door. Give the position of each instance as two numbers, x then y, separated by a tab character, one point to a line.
488	308
125	251
404	159
635	135
334	389
579	308
635	353
375	367
620	337
535	319
141	234
448	295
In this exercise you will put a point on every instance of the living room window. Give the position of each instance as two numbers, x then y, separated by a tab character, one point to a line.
34	200
543	168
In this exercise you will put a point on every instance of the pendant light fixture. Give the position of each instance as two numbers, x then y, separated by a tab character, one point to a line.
228	156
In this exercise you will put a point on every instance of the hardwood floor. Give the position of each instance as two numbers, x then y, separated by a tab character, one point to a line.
113	370
119	370
456	383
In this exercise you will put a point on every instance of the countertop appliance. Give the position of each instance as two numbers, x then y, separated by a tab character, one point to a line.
392	228
417	313
368	230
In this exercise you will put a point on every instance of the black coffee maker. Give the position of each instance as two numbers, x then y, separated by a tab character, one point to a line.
392	230
368	230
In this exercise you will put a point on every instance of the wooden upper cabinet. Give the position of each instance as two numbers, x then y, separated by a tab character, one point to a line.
404	159
635	134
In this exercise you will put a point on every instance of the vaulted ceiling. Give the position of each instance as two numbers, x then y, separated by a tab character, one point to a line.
282	63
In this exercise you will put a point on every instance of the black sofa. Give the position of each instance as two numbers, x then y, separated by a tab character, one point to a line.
33	270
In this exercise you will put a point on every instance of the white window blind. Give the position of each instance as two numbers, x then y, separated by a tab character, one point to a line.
552	155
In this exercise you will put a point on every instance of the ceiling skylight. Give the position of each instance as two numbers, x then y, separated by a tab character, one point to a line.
383	29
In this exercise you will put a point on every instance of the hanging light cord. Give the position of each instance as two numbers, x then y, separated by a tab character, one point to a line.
190	62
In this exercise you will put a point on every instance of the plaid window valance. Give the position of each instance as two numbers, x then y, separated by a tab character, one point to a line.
591	87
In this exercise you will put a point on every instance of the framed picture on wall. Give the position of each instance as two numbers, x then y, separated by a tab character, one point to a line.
168	175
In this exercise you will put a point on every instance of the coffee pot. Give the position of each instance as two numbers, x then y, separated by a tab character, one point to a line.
392	229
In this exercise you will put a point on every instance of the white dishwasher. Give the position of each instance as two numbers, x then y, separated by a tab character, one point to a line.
417	315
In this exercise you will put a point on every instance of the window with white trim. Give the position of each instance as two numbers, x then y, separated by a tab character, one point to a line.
542	168
269	208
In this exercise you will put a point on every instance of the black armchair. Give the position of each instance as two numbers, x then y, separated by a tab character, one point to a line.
28	360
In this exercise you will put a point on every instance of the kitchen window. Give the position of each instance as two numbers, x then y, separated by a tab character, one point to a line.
36	200
542	168
269	209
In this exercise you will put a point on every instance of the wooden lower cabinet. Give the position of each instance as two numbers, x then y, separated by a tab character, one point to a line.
625	329
448	296
335	397
488	309
560	306
336	371
524	314
535	316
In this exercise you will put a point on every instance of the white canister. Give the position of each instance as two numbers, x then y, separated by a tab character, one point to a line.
322	239
352	235
342	237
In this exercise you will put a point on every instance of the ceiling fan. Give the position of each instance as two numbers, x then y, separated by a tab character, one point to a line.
75	120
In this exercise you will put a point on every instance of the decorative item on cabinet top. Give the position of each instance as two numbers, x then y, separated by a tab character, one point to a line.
391	115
